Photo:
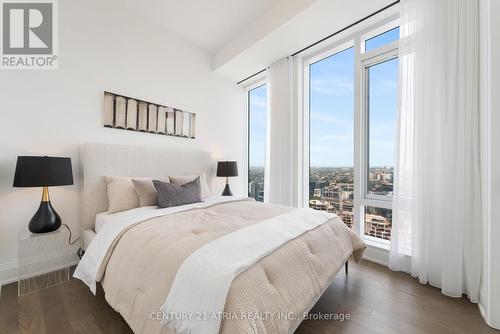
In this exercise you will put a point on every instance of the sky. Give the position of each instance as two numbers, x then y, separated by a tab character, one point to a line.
257	107
332	110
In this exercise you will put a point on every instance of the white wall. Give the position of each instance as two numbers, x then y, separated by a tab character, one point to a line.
52	112
489	298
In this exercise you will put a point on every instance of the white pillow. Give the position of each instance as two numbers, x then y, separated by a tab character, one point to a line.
121	194
146	190
180	180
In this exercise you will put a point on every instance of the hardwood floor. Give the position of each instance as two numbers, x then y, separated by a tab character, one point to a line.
376	299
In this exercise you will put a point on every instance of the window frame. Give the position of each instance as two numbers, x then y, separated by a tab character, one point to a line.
306	63
385	54
254	84
368	59
375	31
362	60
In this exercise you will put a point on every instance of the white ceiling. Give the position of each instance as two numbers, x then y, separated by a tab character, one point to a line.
209	24
253	51
245	36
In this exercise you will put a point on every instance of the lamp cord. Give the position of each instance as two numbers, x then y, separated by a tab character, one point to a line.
69	239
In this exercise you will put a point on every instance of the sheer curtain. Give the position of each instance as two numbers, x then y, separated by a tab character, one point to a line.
436	232
279	178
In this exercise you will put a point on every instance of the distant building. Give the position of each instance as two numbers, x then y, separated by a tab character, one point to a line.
256	183
260	193
378	226
252	189
313	185
345	215
331	189
318	205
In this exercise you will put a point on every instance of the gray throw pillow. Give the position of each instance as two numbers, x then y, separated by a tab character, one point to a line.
170	194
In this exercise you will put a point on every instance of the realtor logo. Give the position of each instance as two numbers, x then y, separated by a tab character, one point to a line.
29	34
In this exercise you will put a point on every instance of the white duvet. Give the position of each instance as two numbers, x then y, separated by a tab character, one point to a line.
111	225
203	280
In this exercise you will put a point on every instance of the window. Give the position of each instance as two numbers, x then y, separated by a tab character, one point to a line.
379	91
382	80
331	105
257	115
351	101
382	39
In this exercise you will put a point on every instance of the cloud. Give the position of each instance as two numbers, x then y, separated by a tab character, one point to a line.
332	138
382	129
257	101
319	149
327	118
257	121
332	85
383	144
383	86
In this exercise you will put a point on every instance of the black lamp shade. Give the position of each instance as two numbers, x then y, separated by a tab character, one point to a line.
37	171
227	168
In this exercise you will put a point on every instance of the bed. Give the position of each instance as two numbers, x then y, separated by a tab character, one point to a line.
225	265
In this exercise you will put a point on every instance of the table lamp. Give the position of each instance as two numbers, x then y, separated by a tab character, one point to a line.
227	169
37	171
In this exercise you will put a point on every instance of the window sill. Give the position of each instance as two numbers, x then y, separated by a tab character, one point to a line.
377	244
376	251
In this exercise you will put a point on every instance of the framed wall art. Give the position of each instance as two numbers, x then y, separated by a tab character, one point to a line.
127	113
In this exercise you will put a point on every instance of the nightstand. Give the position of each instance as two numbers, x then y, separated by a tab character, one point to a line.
43	260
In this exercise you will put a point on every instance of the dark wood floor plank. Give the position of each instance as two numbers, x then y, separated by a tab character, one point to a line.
31	314
9	310
109	320
378	301
54	312
75	298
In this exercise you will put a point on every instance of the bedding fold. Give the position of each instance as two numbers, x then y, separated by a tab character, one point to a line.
91	267
203	280
138	267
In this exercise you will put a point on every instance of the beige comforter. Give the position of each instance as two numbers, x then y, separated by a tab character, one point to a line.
143	263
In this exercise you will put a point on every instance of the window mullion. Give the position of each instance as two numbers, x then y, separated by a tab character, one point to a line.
376	203
358	192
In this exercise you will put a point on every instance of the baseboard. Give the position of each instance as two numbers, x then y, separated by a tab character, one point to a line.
9	271
377	255
377	261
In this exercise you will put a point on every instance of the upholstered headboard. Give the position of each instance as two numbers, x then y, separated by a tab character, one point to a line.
99	160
